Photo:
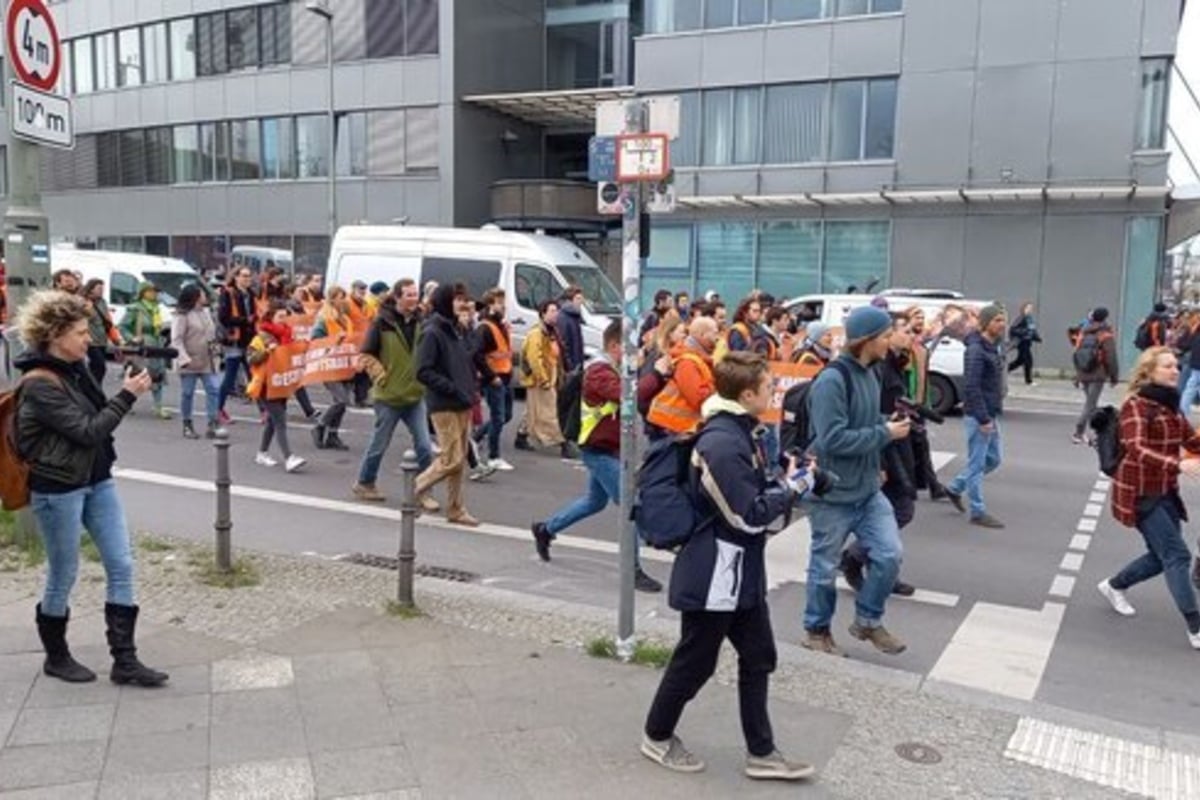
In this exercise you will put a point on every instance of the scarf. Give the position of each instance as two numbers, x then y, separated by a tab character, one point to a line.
282	333
1163	395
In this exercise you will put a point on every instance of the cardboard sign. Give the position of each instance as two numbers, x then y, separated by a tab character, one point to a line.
786	376
305	363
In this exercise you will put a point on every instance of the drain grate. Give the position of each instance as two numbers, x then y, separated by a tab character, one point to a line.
918	753
424	570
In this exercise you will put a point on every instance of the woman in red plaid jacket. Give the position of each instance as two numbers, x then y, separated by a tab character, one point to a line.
1154	436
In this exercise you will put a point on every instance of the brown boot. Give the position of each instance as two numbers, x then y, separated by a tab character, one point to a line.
884	642
822	642
368	492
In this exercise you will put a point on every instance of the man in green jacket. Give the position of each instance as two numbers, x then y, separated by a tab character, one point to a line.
389	356
142	326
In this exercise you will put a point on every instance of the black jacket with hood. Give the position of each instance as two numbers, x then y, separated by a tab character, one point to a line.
64	427
444	362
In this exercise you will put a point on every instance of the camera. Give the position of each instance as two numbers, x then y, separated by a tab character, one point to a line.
917	414
823	479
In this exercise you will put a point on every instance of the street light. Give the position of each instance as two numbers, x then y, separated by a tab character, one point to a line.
321	9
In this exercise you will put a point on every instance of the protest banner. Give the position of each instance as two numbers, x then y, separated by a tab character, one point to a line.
301	363
786	376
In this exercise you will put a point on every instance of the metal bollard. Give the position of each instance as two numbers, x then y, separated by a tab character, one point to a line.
224	522
408	520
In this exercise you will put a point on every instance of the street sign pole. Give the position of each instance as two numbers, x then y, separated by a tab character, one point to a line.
632	234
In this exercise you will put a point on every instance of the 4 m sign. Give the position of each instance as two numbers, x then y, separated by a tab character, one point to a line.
33	44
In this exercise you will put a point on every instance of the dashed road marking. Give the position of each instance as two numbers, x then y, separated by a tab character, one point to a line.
1062	586
1080	541
1071	562
1093	510
1086	525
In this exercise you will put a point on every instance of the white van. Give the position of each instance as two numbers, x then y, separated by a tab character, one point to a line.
529	267
123	272
946	365
259	258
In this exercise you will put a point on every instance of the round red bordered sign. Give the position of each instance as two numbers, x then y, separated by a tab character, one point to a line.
33	44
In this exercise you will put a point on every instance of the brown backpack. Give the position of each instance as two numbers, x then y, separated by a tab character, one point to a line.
14	472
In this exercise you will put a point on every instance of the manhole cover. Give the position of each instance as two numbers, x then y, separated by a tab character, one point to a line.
918	753
424	570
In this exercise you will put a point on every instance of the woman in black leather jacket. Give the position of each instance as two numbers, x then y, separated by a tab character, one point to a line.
64	432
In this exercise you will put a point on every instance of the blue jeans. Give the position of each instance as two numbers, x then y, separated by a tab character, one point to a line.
874	525
235	359
500	412
212	391
387	417
1166	554
983	457
61	519
1190	390
604	485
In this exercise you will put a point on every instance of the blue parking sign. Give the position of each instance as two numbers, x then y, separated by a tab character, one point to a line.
602	159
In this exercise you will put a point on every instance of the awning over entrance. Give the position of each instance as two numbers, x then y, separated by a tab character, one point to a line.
1183	220
567	108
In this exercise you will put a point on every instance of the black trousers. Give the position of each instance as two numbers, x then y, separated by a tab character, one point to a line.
1024	359
695	660
926	477
96	363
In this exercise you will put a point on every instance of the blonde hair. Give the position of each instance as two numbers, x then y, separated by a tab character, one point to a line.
1146	364
662	334
47	315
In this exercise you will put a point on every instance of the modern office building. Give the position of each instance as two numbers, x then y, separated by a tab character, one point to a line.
1011	149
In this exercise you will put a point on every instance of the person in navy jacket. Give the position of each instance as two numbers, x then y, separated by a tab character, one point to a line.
719	581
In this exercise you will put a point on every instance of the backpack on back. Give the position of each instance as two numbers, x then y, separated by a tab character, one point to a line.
666	505
1149	334
1105	422
14	472
795	430
1089	351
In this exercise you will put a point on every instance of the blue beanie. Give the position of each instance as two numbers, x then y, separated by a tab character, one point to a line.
866	322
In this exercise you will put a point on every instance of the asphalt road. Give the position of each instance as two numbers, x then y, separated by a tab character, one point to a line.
997	611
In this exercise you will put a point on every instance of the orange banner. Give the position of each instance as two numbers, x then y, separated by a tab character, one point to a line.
786	376
305	363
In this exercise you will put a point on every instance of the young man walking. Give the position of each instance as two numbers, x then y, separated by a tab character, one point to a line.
600	444
494	361
446	368
983	402
1095	364
389	357
719	583
850	438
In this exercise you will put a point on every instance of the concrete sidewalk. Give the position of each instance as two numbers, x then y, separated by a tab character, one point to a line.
303	687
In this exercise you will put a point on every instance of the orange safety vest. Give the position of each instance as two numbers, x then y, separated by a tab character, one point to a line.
670	410
500	360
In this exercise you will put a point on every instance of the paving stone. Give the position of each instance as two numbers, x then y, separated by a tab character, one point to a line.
150	753
350	666
65	724
426	687
258	672
13	694
395	794
20	666
50	764
331	633
50	692
235	744
286	779
394	663
144	713
172	647
68	791
256	706
190	785
16	639
186	679
469	767
369	769
439	720
7	720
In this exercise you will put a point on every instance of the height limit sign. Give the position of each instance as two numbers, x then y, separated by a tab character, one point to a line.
35	53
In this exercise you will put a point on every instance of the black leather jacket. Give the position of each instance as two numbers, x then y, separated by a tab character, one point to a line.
64	429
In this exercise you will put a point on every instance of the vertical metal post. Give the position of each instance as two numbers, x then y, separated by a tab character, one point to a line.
631	285
332	132
224	522
408	524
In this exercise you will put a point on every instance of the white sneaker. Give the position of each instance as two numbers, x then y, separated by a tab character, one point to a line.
294	463
481	472
500	465
1194	640
1116	599
264	460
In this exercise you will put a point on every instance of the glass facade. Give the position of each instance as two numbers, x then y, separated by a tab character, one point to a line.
793	123
1152	114
783	257
675	16
1143	259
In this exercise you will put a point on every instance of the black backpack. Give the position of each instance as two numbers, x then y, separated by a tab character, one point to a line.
795	429
1105	422
1148	333
1089	353
666	506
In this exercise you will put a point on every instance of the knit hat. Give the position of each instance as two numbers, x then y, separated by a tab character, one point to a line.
989	313
866	322
378	287
1099	314
1159	308
879	301
815	331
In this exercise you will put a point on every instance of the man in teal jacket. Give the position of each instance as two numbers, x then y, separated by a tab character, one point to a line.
850	436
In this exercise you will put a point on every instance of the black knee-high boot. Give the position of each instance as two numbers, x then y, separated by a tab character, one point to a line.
59	663
122	621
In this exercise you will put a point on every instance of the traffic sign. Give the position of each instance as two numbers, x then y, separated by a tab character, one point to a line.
602	159
41	117
610	200
33	44
642	157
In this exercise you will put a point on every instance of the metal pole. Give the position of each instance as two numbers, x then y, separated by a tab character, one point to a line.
224	523
631	283
408	524
332	132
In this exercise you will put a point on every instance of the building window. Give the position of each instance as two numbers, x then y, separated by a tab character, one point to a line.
154	53
352	144
421	27
732	126
3	171
789	258
719	13
673	16
108	160
106	61
129	57
385	142
862	120
214	151
420	139
211	53
133	158
242	37
670	262
158	156
855	252
794	132
312	146
275	30
81	60
183	49
278	150
1152	116
186	151
685	151
246	154
725	258
796	10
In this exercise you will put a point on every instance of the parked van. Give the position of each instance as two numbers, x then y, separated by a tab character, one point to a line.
946	364
122	273
529	267
259	258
